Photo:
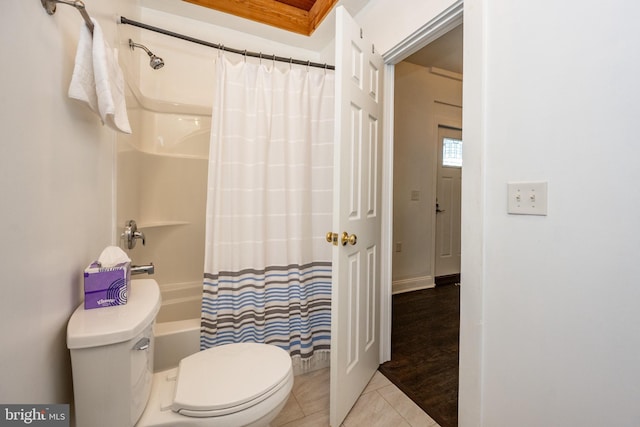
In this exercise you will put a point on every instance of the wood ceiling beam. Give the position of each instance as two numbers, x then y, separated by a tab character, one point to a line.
318	12
274	13
300	4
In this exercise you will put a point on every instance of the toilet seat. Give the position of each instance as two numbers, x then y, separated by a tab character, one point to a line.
238	373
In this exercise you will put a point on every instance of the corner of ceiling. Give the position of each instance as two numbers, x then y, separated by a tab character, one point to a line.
318	41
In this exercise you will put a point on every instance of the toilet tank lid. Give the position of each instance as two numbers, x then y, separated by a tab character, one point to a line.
110	325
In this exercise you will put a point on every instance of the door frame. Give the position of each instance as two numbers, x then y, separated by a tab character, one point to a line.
429	32
474	94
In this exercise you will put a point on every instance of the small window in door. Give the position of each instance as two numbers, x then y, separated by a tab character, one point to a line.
452	152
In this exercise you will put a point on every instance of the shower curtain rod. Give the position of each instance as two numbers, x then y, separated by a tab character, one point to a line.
260	55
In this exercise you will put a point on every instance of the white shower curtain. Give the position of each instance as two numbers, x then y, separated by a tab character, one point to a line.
267	265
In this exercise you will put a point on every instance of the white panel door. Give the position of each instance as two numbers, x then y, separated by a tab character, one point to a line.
355	340
448	196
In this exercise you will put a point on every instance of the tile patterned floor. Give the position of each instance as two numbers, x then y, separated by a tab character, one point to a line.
381	404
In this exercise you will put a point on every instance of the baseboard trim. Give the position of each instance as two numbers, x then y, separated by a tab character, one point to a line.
449	279
413	284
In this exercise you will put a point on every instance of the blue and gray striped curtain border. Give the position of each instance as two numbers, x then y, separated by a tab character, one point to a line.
288	306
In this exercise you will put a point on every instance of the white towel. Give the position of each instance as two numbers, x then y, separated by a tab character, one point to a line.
97	79
83	83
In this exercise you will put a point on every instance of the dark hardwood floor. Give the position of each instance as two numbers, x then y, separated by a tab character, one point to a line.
424	350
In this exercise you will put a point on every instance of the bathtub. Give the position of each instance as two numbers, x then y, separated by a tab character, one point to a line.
177	328
180	301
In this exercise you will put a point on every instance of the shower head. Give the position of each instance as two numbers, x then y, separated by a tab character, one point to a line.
155	62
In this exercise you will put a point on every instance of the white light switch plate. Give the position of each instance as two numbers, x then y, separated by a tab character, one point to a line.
527	198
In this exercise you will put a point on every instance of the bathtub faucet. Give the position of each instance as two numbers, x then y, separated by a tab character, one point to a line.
131	234
141	269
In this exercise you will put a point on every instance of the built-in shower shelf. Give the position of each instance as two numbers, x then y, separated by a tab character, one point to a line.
153	224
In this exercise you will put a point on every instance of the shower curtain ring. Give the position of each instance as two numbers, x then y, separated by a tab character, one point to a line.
245	55
220	50
290	62
260	58
308	64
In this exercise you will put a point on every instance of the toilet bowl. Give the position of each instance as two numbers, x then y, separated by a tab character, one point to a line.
244	384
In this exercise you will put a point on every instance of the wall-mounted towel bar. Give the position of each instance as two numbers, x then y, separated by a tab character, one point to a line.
50	7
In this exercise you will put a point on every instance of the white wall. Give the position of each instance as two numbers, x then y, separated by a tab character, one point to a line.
559	293
417	116
56	179
387	22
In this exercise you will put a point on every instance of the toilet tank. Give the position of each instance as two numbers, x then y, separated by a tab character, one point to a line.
112	358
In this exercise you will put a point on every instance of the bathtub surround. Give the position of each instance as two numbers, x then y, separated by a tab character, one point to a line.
267	266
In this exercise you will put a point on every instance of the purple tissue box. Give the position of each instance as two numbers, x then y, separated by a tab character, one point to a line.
104	287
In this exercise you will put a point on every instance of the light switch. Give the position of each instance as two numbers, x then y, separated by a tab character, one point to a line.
415	195
527	198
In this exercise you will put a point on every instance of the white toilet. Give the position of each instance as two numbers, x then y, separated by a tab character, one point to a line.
112	359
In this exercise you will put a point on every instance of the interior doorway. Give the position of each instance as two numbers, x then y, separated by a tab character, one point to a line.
427	114
423	117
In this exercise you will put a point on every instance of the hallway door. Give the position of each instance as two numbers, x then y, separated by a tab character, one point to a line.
448	196
355	306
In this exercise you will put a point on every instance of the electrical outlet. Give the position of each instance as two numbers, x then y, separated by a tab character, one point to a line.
415	195
527	198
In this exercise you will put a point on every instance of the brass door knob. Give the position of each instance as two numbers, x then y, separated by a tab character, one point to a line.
346	238
332	238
